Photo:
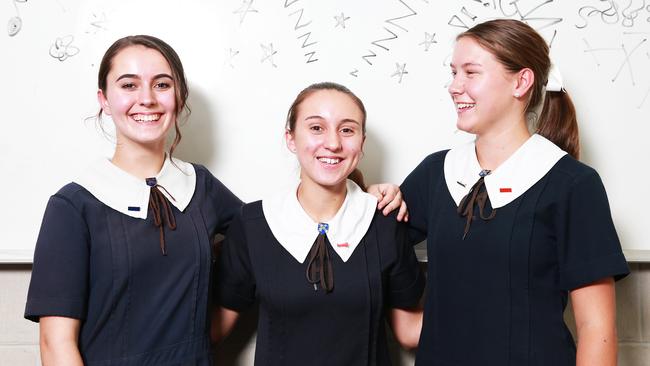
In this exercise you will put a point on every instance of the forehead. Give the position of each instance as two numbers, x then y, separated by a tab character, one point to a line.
139	60
329	102
468	51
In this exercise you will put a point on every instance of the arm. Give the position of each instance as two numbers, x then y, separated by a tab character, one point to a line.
223	320
58	341
389	198
407	326
594	308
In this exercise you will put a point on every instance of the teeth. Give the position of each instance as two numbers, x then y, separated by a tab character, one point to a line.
146	117
329	160
464	105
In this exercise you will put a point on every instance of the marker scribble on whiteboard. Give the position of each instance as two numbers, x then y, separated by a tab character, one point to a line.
340	20
614	13
400	71
15	24
429	39
62	48
307	43
245	8
231	55
389	35
627	58
97	23
268	53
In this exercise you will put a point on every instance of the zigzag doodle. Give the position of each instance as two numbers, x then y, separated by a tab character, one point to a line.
381	43
311	55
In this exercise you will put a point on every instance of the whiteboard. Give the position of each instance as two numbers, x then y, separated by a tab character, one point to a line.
247	59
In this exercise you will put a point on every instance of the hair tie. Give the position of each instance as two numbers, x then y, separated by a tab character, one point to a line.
555	82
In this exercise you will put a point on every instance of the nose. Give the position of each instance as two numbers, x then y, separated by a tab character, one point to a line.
146	97
333	140
455	86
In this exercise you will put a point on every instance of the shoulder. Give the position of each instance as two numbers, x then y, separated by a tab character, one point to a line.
570	171
76	196
387	226
435	158
252	211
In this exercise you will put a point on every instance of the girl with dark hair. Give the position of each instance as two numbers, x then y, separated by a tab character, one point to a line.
515	225
123	260
326	267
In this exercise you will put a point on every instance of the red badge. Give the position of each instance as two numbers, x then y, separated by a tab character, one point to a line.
505	190
343	245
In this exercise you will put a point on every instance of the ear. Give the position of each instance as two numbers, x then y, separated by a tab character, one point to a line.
291	143
103	102
524	81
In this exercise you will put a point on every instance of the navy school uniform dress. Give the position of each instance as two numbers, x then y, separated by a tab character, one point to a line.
539	226
141	291
265	258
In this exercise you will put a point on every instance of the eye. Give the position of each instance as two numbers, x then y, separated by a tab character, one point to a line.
453	72
316	128
163	85
128	86
348	131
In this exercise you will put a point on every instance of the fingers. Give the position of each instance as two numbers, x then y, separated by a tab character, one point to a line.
403	214
392	202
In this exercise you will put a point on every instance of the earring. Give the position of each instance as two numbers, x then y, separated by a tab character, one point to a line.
517	95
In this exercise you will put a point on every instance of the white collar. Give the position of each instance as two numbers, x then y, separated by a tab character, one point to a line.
130	195
296	231
510	180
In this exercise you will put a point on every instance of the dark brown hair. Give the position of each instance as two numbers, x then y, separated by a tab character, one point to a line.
518	46
356	176
178	74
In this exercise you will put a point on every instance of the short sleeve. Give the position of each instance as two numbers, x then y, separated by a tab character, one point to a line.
405	278
589	246
235	281
59	282
416	190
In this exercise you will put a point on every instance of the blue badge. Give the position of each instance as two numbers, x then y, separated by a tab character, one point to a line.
151	181
323	227
133	208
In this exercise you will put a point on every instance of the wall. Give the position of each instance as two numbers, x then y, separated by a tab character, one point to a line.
247	59
19	337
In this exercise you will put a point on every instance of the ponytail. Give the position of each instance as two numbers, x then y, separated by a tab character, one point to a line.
357	177
557	122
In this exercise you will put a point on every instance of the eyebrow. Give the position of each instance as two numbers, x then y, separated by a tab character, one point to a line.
342	121
466	64
135	76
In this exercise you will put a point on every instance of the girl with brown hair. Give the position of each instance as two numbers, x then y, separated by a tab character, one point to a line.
123	260
515	225
327	268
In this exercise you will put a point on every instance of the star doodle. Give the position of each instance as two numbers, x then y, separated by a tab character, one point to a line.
429	39
268	54
245	8
400	71
230	57
340	20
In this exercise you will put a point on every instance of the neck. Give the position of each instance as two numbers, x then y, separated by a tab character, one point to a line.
321	203
142	162
494	148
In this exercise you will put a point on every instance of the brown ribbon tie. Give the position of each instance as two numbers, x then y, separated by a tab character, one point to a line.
158	204
475	196
319	264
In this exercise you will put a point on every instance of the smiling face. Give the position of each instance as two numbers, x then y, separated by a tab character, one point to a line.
327	138
482	90
140	97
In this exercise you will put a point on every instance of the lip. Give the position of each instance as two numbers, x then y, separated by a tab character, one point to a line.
146	117
330	161
462	107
